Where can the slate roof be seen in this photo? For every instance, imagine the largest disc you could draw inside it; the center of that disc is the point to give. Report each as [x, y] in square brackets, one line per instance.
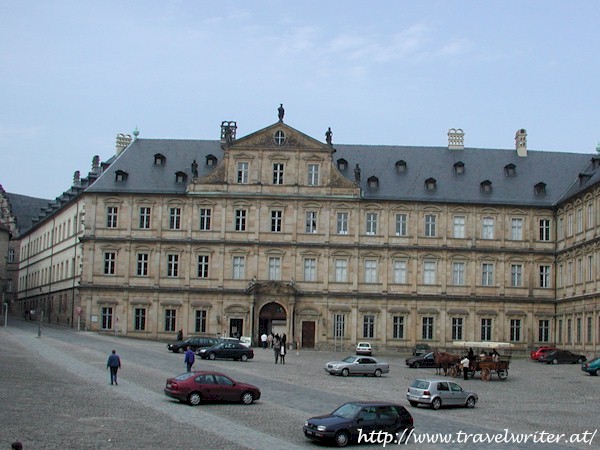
[558, 170]
[25, 209]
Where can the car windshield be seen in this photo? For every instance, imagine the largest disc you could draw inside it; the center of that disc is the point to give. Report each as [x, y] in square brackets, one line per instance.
[349, 359]
[184, 376]
[346, 411]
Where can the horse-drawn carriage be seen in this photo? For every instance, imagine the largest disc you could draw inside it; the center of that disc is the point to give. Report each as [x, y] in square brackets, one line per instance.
[486, 363]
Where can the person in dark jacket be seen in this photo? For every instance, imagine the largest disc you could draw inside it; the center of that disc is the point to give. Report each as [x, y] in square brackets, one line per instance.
[114, 364]
[189, 358]
[180, 335]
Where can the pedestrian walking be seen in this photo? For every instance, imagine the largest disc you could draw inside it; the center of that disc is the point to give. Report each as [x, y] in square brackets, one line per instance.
[114, 364]
[189, 358]
[180, 335]
[276, 349]
[282, 353]
[263, 339]
[270, 340]
[465, 365]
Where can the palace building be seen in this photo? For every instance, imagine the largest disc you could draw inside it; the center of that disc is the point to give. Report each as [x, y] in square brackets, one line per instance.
[330, 244]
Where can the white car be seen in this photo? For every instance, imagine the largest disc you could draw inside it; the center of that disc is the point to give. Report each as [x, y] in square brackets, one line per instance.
[364, 348]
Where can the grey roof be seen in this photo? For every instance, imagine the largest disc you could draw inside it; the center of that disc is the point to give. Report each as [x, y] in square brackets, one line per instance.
[559, 171]
[25, 209]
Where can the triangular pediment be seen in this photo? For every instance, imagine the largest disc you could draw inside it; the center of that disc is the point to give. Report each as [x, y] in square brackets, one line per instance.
[282, 137]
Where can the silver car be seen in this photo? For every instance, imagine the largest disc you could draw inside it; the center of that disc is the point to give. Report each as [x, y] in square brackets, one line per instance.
[438, 393]
[357, 365]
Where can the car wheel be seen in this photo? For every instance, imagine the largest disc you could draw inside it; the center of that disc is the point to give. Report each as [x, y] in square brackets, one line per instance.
[180, 350]
[470, 402]
[436, 403]
[401, 435]
[503, 374]
[377, 373]
[244, 358]
[345, 372]
[342, 438]
[555, 361]
[195, 398]
[211, 356]
[597, 372]
[247, 398]
[413, 403]
[416, 365]
[580, 361]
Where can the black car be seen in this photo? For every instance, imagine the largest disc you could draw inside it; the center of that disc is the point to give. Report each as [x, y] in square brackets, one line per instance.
[226, 350]
[194, 342]
[426, 360]
[353, 419]
[562, 356]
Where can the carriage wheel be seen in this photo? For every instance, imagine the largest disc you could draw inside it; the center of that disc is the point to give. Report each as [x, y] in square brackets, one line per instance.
[452, 371]
[503, 374]
[486, 374]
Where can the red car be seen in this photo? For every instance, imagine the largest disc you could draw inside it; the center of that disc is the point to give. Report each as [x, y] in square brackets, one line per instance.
[535, 354]
[197, 387]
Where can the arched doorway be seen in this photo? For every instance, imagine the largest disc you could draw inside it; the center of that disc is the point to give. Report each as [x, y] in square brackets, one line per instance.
[272, 319]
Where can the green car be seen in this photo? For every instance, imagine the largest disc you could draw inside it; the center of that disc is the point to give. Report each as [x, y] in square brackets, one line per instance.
[592, 367]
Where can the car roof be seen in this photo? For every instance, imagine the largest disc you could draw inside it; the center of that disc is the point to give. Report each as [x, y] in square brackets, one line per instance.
[434, 380]
[373, 403]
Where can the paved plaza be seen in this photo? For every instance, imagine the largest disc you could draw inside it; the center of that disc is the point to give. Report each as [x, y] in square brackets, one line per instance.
[55, 393]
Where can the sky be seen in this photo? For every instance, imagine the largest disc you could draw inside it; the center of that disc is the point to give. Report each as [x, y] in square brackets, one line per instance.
[74, 74]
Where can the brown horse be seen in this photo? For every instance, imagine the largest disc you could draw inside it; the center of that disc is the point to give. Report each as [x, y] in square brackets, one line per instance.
[444, 361]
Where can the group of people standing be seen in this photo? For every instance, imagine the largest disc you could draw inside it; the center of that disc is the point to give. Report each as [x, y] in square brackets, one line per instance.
[277, 343]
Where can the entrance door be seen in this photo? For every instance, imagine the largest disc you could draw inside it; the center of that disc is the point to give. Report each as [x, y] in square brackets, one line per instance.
[236, 327]
[308, 334]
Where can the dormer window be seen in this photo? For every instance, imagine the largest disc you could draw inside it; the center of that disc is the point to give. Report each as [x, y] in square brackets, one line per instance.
[180, 177]
[459, 168]
[279, 138]
[211, 160]
[342, 164]
[486, 186]
[373, 183]
[401, 166]
[121, 176]
[510, 170]
[431, 184]
[159, 160]
[540, 188]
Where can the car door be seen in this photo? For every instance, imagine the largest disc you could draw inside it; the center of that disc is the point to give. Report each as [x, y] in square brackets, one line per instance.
[366, 420]
[458, 395]
[206, 385]
[444, 393]
[226, 389]
[389, 419]
[429, 360]
[368, 365]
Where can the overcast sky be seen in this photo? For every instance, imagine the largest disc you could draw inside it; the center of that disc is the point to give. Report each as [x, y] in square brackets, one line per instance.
[74, 74]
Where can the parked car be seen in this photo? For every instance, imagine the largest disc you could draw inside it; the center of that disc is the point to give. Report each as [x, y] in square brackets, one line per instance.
[592, 367]
[226, 350]
[438, 393]
[420, 349]
[201, 386]
[426, 360]
[364, 348]
[357, 365]
[561, 356]
[342, 425]
[195, 342]
[535, 354]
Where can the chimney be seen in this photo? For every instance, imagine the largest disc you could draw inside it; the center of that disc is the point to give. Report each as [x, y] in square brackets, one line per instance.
[77, 178]
[123, 140]
[521, 142]
[456, 139]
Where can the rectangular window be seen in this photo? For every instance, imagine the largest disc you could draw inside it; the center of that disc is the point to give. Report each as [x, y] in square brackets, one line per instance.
[400, 276]
[458, 273]
[145, 213]
[240, 220]
[427, 330]
[515, 330]
[205, 214]
[239, 263]
[487, 274]
[310, 269]
[486, 329]
[170, 319]
[110, 259]
[370, 271]
[142, 264]
[274, 268]
[569, 273]
[200, 322]
[172, 265]
[369, 327]
[276, 217]
[278, 173]
[589, 330]
[590, 216]
[341, 270]
[559, 277]
[106, 317]
[560, 229]
[487, 228]
[430, 225]
[339, 325]
[516, 275]
[569, 225]
[202, 266]
[242, 173]
[371, 223]
[342, 223]
[401, 224]
[313, 174]
[398, 327]
[516, 229]
[569, 331]
[429, 272]
[579, 270]
[578, 331]
[11, 255]
[590, 271]
[111, 216]
[311, 221]
[175, 218]
[457, 328]
[544, 230]
[560, 331]
[459, 227]
[580, 220]
[139, 319]
[544, 330]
